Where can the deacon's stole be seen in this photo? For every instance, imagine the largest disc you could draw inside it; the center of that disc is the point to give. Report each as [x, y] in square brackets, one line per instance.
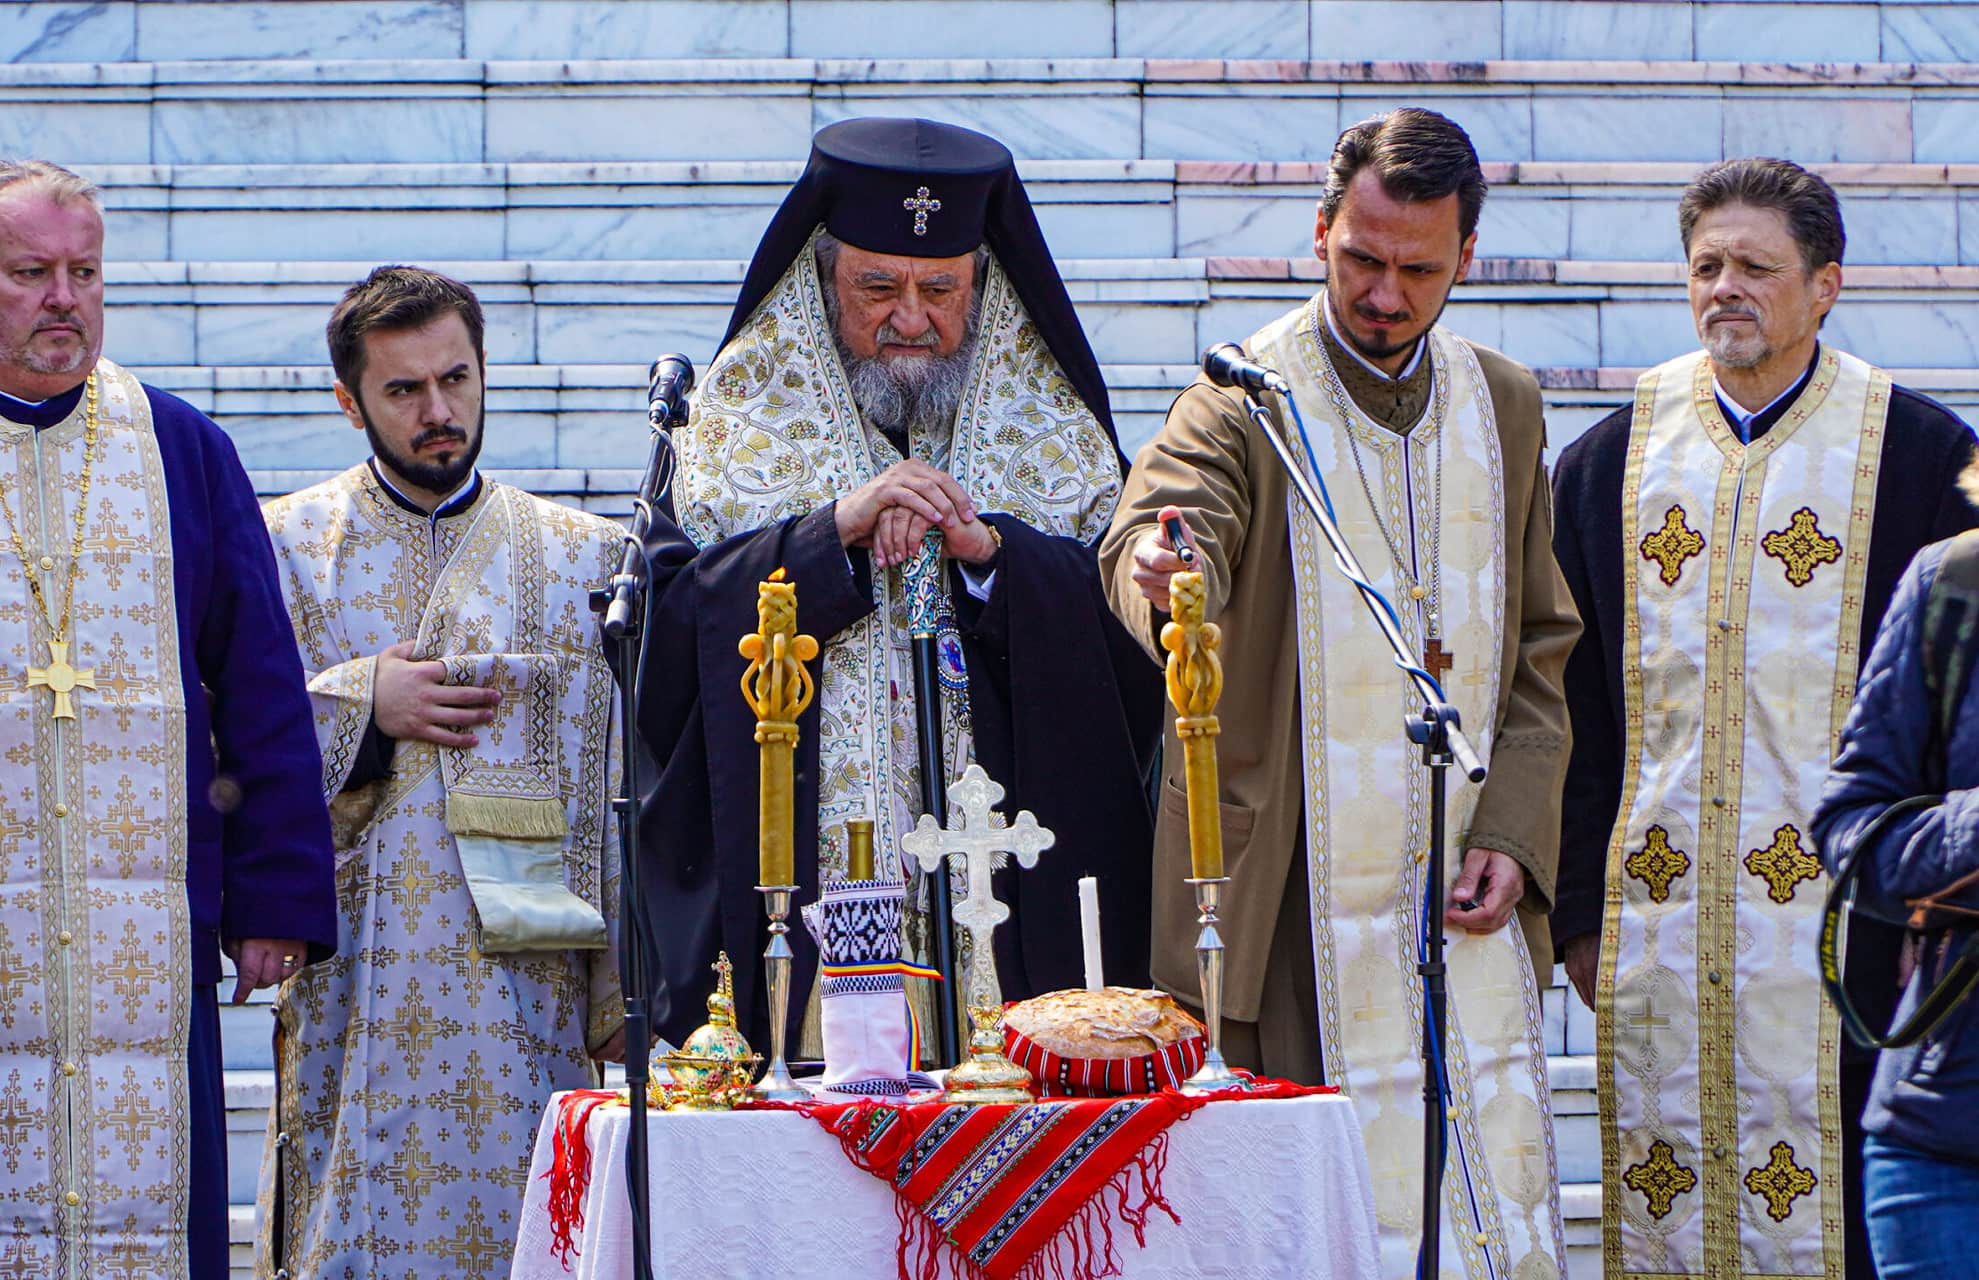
[775, 435]
[416, 1050]
[95, 927]
[1743, 572]
[1367, 813]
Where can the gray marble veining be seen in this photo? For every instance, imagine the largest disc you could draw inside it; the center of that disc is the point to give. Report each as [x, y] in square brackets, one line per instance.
[193, 29]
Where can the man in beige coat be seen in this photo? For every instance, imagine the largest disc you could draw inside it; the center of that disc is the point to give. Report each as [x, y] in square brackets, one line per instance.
[1431, 447]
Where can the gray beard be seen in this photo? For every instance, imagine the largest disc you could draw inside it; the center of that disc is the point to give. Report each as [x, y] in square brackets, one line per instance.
[913, 395]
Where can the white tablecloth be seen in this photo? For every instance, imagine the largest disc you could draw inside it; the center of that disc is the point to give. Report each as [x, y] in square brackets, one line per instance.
[1265, 1189]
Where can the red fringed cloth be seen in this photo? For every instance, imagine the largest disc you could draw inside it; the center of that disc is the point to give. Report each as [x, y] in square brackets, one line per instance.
[1020, 1192]
[570, 1166]
[994, 1192]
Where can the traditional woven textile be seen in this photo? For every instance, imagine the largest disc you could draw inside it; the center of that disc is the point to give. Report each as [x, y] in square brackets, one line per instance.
[870, 1037]
[1019, 1192]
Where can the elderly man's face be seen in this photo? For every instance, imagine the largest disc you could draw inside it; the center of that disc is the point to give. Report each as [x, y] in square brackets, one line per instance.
[1751, 295]
[900, 308]
[51, 293]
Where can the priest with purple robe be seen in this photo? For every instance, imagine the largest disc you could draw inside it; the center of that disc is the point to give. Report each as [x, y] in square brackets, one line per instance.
[161, 800]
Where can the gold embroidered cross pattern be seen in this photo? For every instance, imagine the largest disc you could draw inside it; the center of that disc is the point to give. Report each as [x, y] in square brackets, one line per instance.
[1801, 546]
[921, 206]
[1656, 864]
[1660, 1179]
[1673, 544]
[1780, 1182]
[1783, 864]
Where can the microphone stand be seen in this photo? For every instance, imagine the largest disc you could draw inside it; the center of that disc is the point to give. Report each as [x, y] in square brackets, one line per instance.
[1438, 731]
[623, 602]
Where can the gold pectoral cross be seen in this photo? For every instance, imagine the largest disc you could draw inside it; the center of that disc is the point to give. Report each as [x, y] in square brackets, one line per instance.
[61, 679]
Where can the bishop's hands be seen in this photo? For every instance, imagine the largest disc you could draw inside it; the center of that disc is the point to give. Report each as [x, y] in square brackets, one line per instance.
[891, 513]
[1492, 884]
[412, 700]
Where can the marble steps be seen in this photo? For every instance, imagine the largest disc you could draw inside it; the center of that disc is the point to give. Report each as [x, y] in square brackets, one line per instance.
[1796, 30]
[304, 110]
[578, 432]
[1135, 310]
[1592, 210]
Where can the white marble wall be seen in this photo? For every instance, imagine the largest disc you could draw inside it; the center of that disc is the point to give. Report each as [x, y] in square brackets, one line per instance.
[1421, 30]
[438, 111]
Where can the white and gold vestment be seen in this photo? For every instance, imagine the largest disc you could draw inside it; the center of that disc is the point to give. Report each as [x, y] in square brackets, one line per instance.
[1745, 564]
[414, 1069]
[1441, 490]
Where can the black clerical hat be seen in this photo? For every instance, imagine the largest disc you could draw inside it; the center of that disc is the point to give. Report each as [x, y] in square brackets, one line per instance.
[924, 189]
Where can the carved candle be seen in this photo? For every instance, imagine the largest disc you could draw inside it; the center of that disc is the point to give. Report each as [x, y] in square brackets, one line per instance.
[777, 687]
[1195, 682]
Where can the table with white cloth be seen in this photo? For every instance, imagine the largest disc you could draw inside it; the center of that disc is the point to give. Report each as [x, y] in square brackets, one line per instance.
[1265, 1188]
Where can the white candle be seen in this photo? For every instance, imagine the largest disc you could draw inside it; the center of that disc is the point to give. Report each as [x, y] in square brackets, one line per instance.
[1089, 931]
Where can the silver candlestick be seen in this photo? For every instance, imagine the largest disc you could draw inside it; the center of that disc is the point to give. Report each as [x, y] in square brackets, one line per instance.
[1215, 1074]
[776, 1084]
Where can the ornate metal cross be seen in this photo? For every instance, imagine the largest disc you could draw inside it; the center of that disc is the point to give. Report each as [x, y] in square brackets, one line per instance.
[921, 206]
[979, 838]
[61, 679]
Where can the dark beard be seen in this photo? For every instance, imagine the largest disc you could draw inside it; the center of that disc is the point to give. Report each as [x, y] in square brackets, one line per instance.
[433, 477]
[1342, 312]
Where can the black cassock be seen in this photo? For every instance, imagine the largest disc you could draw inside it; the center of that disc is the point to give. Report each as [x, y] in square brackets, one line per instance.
[1066, 713]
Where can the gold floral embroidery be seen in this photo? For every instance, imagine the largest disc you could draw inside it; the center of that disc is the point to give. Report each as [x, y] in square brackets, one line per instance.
[1780, 1182]
[1673, 544]
[1656, 864]
[1660, 1179]
[1783, 864]
[1801, 546]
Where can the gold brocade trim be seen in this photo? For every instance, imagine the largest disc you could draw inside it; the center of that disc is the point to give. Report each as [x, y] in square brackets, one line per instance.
[1673, 544]
[1611, 888]
[98, 871]
[1721, 782]
[1704, 398]
[1783, 864]
[1660, 1179]
[1801, 547]
[1657, 865]
[1364, 908]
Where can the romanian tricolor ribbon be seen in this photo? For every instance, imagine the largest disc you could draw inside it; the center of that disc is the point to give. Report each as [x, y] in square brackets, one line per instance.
[883, 968]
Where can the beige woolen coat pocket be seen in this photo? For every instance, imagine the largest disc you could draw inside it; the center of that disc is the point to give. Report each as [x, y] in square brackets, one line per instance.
[1248, 897]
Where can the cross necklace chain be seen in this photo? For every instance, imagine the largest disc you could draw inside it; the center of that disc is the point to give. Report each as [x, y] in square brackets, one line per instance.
[1435, 660]
[60, 677]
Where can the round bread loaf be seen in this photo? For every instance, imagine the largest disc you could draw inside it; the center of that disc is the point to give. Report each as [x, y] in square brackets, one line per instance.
[1118, 1040]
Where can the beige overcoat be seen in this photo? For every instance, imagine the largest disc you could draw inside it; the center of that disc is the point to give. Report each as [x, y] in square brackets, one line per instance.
[1209, 460]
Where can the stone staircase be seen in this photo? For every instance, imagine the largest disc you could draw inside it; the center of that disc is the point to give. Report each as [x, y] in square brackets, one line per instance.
[600, 170]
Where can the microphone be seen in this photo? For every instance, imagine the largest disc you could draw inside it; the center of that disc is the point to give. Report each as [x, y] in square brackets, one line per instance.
[1227, 366]
[668, 381]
